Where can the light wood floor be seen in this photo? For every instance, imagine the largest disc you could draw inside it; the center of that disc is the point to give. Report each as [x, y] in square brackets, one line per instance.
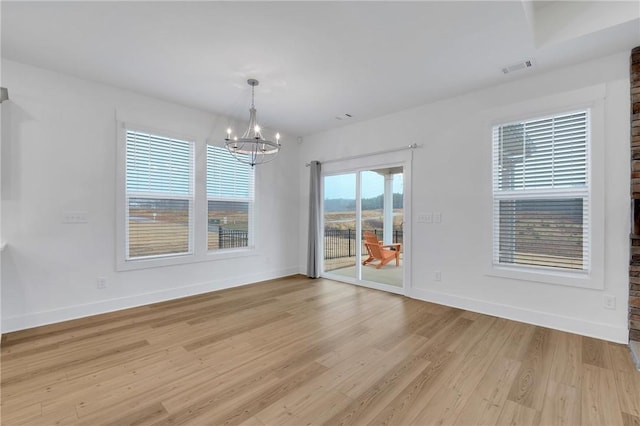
[299, 351]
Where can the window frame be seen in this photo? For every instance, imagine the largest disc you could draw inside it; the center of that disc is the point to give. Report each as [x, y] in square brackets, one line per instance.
[198, 238]
[548, 193]
[190, 198]
[251, 200]
[591, 99]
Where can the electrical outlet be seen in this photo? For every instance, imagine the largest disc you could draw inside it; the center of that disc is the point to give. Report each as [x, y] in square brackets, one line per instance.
[609, 301]
[437, 276]
[101, 283]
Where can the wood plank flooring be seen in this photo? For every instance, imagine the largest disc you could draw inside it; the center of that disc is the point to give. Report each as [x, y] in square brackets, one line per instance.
[298, 351]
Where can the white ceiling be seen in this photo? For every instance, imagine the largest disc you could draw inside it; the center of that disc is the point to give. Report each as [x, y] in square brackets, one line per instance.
[315, 60]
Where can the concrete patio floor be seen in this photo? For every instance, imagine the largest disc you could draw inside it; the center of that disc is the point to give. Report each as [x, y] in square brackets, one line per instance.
[389, 274]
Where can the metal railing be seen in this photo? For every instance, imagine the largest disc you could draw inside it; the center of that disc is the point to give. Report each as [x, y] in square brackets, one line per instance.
[342, 242]
[232, 238]
[337, 242]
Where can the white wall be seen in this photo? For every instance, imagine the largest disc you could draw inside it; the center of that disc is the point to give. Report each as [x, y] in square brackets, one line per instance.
[59, 154]
[452, 175]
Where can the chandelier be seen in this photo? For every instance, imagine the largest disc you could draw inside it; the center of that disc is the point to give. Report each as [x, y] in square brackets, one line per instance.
[252, 148]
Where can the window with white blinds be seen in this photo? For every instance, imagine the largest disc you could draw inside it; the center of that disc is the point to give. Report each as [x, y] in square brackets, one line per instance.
[159, 196]
[541, 193]
[230, 199]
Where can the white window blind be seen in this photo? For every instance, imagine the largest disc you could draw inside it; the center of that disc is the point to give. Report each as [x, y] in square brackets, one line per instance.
[541, 192]
[230, 199]
[159, 195]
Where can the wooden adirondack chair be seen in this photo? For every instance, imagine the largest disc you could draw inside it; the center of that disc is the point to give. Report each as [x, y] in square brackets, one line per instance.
[377, 252]
[371, 238]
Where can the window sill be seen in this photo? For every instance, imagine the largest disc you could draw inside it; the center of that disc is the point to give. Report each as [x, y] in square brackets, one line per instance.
[231, 253]
[211, 256]
[571, 279]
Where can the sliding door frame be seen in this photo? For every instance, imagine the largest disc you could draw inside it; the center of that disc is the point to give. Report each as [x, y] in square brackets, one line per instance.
[401, 158]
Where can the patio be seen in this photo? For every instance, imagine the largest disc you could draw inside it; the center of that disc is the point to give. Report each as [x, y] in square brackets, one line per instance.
[388, 274]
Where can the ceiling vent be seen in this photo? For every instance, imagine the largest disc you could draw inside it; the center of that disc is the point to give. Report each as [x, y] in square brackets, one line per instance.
[517, 67]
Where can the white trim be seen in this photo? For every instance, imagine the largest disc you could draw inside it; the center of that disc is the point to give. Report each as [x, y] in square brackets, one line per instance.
[123, 262]
[379, 160]
[543, 319]
[172, 260]
[542, 275]
[81, 311]
[121, 196]
[538, 193]
[358, 225]
[592, 99]
[200, 207]
[539, 107]
[198, 244]
[251, 200]
[360, 156]
[363, 283]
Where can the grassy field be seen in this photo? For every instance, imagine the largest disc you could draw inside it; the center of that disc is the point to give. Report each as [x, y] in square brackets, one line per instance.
[538, 259]
[154, 232]
[371, 219]
[157, 238]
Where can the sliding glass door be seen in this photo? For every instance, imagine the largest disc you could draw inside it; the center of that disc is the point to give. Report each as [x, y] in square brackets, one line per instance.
[363, 226]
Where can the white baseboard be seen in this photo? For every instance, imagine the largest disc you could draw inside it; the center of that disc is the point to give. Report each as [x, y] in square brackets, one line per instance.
[80, 311]
[544, 319]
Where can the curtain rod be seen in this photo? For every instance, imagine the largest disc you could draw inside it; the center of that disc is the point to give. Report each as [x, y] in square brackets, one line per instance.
[353, 157]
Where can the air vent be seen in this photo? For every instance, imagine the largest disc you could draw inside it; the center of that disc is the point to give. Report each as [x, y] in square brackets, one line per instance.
[344, 117]
[517, 67]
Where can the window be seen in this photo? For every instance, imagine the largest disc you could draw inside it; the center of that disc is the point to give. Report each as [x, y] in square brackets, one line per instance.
[159, 196]
[180, 200]
[229, 200]
[541, 193]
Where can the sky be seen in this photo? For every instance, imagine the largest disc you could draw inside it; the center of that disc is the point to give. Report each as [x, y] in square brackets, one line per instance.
[344, 186]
